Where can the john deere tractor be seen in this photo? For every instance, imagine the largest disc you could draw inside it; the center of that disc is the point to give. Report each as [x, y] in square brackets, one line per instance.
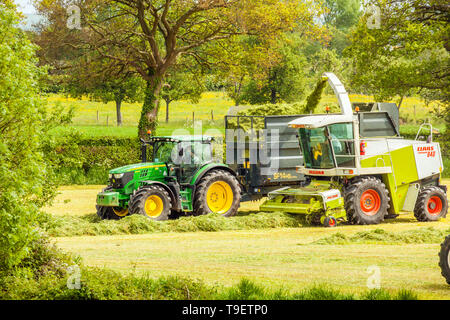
[181, 179]
[360, 170]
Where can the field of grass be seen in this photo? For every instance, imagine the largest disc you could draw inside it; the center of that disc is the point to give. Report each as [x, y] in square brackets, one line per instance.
[295, 258]
[181, 114]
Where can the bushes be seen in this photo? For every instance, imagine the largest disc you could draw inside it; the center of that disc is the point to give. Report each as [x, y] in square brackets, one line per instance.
[81, 160]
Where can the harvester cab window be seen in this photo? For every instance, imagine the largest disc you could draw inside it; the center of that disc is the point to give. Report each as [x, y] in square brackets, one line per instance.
[343, 143]
[316, 148]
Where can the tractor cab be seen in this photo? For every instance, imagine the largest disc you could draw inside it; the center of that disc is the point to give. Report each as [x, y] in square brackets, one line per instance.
[184, 155]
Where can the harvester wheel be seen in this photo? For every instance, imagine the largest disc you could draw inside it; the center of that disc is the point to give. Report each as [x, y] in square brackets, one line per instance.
[110, 213]
[431, 205]
[152, 202]
[444, 261]
[330, 222]
[218, 192]
[366, 201]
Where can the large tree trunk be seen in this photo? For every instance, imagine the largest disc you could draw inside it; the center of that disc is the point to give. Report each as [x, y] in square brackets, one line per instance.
[167, 109]
[119, 113]
[149, 115]
[273, 96]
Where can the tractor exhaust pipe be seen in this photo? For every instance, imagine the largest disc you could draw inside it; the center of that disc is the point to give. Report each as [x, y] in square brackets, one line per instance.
[340, 92]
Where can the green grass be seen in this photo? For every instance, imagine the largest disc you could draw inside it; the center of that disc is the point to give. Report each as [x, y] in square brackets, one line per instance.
[421, 235]
[104, 284]
[260, 248]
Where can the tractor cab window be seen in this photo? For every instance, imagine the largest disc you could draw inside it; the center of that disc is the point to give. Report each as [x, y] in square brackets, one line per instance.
[343, 143]
[163, 152]
[196, 153]
[316, 148]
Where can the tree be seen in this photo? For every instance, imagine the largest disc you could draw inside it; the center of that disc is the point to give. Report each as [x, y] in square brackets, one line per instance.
[149, 36]
[408, 54]
[102, 87]
[182, 85]
[283, 80]
[27, 179]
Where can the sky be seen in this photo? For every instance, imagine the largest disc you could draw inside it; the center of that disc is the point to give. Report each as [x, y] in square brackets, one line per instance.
[25, 6]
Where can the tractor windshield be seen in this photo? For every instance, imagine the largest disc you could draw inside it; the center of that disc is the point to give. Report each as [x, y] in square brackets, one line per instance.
[163, 151]
[183, 153]
[322, 145]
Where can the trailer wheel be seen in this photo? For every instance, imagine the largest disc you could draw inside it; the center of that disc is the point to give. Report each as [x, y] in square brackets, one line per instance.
[218, 192]
[431, 205]
[444, 261]
[330, 222]
[366, 201]
[152, 202]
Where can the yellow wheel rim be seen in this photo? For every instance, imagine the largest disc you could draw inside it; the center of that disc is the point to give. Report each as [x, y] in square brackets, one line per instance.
[219, 197]
[154, 206]
[120, 212]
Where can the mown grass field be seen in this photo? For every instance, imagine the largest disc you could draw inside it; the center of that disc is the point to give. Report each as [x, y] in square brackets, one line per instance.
[285, 257]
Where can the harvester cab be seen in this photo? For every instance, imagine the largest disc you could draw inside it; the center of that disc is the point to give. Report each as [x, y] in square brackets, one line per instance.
[361, 170]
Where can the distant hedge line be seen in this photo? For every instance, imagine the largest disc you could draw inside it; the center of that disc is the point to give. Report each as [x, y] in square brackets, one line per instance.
[80, 160]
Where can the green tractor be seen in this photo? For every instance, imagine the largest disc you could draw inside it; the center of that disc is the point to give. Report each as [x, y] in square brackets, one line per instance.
[182, 179]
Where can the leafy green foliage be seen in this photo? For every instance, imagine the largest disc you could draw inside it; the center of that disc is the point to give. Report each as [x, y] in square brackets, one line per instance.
[28, 181]
[406, 55]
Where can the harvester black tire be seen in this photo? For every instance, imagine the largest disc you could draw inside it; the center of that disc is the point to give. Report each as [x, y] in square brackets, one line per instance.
[107, 213]
[141, 197]
[360, 195]
[444, 259]
[431, 205]
[201, 206]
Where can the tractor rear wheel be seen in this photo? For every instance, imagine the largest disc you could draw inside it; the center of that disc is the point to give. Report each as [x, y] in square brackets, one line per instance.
[218, 192]
[110, 213]
[431, 205]
[366, 201]
[444, 261]
[152, 202]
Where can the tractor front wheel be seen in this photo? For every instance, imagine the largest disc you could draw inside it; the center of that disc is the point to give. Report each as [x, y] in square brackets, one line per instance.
[218, 192]
[110, 213]
[152, 202]
[366, 201]
[444, 261]
[431, 205]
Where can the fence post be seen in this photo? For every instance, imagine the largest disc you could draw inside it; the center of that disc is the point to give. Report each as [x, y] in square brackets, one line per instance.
[107, 120]
[98, 118]
[212, 115]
